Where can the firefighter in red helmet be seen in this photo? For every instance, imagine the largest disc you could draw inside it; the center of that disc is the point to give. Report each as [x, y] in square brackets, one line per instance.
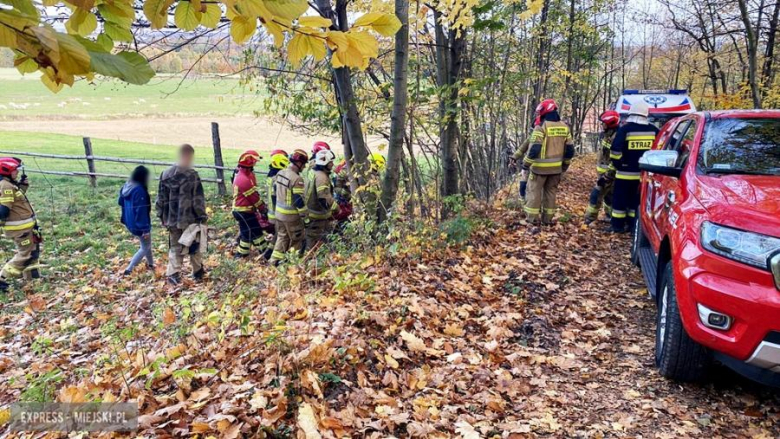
[249, 210]
[18, 221]
[548, 157]
[602, 192]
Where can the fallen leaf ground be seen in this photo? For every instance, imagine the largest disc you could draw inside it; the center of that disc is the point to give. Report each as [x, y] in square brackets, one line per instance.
[513, 334]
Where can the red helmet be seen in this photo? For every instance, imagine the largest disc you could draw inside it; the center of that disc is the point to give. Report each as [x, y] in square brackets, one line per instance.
[249, 158]
[279, 151]
[546, 106]
[537, 121]
[319, 146]
[299, 156]
[610, 118]
[8, 165]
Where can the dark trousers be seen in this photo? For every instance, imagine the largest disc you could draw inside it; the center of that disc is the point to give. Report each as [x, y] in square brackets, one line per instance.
[625, 200]
[250, 233]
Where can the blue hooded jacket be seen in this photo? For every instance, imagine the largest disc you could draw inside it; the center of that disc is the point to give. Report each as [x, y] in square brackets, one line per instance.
[136, 206]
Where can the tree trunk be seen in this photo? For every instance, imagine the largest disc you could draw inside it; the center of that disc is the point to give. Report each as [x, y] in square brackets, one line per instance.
[398, 116]
[766, 72]
[345, 95]
[752, 48]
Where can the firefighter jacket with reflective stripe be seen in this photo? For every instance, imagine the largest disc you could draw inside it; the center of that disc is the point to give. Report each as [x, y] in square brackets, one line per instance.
[631, 141]
[269, 193]
[246, 197]
[288, 189]
[551, 149]
[605, 145]
[20, 212]
[319, 195]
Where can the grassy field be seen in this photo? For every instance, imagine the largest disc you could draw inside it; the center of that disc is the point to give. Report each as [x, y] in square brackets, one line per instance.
[73, 145]
[25, 97]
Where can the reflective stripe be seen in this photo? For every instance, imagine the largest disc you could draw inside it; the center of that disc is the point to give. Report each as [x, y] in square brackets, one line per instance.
[271, 216]
[286, 211]
[4, 200]
[550, 209]
[623, 175]
[243, 208]
[592, 209]
[547, 163]
[324, 187]
[532, 210]
[618, 214]
[297, 190]
[601, 169]
[19, 225]
[632, 213]
[250, 191]
[615, 156]
[277, 255]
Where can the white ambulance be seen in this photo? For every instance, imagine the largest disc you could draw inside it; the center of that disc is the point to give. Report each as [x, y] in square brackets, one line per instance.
[664, 104]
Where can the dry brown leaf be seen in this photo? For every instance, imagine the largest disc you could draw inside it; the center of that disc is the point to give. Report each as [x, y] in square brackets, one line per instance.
[307, 422]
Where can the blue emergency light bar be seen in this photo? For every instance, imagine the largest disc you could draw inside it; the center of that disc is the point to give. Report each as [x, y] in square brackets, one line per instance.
[655, 92]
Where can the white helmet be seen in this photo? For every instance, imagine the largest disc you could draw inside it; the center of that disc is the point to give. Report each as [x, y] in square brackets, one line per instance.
[323, 157]
[639, 108]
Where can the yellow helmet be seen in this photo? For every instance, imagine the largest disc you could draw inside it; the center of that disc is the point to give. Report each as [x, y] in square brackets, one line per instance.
[280, 161]
[377, 162]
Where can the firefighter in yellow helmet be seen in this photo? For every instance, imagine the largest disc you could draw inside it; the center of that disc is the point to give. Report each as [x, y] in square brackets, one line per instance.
[17, 219]
[290, 207]
[319, 198]
[548, 158]
[279, 161]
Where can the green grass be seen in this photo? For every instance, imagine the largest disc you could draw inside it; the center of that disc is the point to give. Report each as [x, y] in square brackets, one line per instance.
[73, 145]
[106, 99]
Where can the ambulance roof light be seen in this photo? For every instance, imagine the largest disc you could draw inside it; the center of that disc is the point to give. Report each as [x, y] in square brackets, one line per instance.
[648, 92]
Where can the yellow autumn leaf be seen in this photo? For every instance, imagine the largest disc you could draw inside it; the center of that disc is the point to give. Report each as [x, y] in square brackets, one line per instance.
[367, 19]
[49, 80]
[287, 9]
[384, 24]
[315, 21]
[187, 15]
[242, 28]
[364, 42]
[211, 16]
[156, 12]
[337, 40]
[7, 37]
[276, 30]
[81, 22]
[74, 58]
[303, 45]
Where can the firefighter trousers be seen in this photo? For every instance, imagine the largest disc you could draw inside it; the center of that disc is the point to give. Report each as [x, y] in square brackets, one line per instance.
[601, 195]
[250, 233]
[540, 201]
[625, 201]
[25, 259]
[289, 236]
[177, 251]
[316, 231]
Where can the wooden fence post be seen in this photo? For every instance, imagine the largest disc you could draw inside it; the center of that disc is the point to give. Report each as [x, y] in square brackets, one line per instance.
[218, 158]
[90, 161]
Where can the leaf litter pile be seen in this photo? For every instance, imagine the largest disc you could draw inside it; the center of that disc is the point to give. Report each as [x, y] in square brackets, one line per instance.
[514, 334]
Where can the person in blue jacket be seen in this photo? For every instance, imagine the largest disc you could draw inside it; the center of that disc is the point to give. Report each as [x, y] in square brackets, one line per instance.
[136, 207]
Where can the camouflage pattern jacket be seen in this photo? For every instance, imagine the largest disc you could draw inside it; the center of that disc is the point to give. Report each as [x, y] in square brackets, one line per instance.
[180, 198]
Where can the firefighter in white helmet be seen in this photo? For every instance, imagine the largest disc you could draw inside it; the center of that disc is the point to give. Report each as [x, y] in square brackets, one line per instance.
[319, 198]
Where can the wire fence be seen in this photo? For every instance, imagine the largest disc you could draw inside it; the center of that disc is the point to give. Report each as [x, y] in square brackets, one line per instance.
[91, 159]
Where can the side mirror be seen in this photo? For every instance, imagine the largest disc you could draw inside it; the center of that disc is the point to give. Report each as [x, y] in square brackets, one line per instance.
[661, 162]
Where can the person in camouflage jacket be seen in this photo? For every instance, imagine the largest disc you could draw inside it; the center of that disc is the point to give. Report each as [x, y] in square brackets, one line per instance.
[180, 203]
